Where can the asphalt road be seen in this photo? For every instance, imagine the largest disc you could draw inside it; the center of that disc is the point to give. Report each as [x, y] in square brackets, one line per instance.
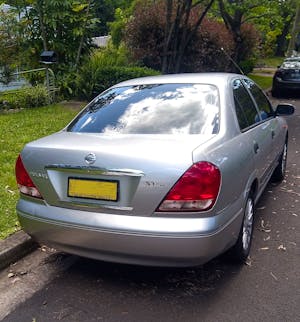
[57, 287]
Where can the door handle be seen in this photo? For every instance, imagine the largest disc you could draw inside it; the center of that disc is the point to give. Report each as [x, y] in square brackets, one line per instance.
[272, 134]
[255, 147]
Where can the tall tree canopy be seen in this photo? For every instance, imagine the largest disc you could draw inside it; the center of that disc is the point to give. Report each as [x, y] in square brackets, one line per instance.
[175, 36]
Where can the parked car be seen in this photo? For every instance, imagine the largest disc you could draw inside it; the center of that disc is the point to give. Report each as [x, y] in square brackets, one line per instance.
[287, 77]
[162, 170]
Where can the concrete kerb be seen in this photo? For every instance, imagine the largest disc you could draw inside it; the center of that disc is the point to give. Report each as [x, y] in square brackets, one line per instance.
[15, 247]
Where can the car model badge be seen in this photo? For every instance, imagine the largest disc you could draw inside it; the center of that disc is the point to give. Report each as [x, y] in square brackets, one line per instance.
[90, 158]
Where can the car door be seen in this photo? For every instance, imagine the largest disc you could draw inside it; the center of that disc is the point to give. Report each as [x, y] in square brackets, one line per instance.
[270, 122]
[254, 129]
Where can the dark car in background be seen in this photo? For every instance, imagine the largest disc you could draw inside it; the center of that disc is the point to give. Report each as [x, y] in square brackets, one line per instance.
[286, 79]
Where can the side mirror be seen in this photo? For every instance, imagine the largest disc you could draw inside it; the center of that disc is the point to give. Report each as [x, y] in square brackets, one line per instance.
[285, 109]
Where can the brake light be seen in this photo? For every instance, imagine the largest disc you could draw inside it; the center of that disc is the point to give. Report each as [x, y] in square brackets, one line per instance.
[196, 190]
[25, 184]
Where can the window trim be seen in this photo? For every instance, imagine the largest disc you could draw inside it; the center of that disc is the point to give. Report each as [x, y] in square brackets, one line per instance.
[254, 101]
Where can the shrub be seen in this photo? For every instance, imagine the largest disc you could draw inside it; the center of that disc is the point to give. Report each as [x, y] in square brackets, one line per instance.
[247, 65]
[24, 98]
[91, 82]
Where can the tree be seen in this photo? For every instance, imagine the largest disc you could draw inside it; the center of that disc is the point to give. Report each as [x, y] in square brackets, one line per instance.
[236, 14]
[177, 46]
[179, 32]
[9, 45]
[295, 41]
[105, 12]
[178, 21]
[64, 26]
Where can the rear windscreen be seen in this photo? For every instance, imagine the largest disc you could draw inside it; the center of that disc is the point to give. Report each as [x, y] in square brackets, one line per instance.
[152, 109]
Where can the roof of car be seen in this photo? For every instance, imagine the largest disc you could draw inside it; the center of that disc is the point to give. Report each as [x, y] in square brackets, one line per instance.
[206, 78]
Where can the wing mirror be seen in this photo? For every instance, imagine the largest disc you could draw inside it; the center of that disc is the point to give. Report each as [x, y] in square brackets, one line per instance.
[285, 109]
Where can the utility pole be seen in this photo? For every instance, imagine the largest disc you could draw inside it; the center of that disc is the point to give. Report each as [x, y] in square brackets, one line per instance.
[294, 44]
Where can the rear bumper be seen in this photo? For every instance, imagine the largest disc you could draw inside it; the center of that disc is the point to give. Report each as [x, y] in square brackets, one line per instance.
[128, 239]
[280, 84]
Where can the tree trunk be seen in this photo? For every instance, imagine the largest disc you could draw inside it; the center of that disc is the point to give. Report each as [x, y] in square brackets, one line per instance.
[294, 42]
[39, 8]
[281, 42]
[167, 36]
[83, 35]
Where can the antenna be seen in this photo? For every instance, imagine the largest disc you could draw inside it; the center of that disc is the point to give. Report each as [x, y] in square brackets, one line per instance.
[234, 63]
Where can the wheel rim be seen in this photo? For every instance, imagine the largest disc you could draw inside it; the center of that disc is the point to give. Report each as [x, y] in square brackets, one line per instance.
[248, 225]
[284, 157]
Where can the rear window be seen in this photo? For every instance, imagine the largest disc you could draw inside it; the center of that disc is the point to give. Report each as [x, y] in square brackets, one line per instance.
[152, 109]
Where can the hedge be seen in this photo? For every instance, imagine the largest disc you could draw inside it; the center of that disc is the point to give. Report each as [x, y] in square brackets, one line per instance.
[24, 98]
[91, 83]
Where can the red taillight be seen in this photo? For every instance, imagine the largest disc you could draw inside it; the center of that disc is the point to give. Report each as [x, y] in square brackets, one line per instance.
[196, 190]
[25, 184]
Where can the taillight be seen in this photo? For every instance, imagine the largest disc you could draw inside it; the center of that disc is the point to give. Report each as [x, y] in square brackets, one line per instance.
[25, 184]
[196, 190]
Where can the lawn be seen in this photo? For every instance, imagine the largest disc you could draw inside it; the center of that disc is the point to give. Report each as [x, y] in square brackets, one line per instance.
[16, 129]
[265, 82]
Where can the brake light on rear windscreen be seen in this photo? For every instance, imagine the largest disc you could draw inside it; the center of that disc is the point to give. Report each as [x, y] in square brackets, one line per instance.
[25, 184]
[196, 190]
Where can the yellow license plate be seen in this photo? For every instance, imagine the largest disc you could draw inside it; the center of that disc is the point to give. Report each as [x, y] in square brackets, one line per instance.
[93, 189]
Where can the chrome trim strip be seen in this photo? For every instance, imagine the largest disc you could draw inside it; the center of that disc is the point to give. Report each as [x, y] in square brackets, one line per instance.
[95, 170]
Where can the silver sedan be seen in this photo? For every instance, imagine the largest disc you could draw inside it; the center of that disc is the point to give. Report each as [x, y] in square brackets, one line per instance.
[162, 170]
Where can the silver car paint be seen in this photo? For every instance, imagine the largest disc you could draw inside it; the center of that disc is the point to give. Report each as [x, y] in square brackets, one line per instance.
[132, 231]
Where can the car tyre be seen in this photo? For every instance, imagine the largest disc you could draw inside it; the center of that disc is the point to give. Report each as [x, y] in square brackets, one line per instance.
[275, 93]
[240, 251]
[279, 172]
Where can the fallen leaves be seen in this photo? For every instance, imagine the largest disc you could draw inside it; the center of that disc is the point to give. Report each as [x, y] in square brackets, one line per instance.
[263, 227]
[281, 247]
[9, 190]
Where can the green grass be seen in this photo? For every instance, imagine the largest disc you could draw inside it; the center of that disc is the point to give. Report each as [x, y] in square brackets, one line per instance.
[16, 129]
[265, 82]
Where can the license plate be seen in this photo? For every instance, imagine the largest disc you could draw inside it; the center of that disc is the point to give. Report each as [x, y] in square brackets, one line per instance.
[93, 189]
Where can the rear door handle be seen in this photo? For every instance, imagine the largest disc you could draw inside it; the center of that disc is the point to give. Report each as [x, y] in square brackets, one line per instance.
[255, 147]
[273, 134]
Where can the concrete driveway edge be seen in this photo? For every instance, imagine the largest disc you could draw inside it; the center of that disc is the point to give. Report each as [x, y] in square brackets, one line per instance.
[15, 247]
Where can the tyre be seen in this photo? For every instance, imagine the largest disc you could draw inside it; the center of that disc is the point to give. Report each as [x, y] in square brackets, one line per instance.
[240, 251]
[279, 172]
[275, 93]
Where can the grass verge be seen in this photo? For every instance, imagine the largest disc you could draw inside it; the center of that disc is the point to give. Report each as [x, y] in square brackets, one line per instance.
[265, 82]
[17, 129]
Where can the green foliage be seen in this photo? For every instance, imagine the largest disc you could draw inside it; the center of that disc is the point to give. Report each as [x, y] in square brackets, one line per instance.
[9, 46]
[118, 26]
[16, 129]
[24, 98]
[247, 65]
[64, 26]
[75, 84]
[105, 10]
[106, 76]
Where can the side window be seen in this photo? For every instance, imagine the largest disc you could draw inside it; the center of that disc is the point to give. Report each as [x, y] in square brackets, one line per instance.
[246, 111]
[263, 104]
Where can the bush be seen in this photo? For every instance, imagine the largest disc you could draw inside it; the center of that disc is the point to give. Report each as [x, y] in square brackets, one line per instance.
[247, 65]
[24, 98]
[92, 82]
